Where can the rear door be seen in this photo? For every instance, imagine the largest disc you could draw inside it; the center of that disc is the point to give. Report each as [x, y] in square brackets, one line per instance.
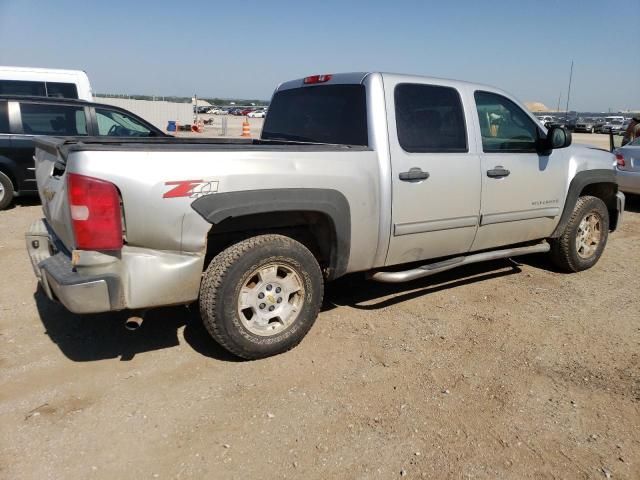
[522, 190]
[435, 170]
[41, 118]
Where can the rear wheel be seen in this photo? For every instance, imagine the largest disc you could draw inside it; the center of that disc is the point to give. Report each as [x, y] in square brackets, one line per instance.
[584, 237]
[6, 191]
[261, 296]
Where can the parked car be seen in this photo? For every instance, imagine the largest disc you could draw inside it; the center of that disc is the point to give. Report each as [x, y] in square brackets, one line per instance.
[586, 125]
[620, 128]
[612, 122]
[628, 167]
[546, 119]
[257, 114]
[337, 183]
[598, 124]
[32, 117]
[246, 111]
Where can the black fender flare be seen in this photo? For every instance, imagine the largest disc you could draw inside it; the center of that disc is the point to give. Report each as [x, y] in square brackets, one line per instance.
[217, 207]
[578, 183]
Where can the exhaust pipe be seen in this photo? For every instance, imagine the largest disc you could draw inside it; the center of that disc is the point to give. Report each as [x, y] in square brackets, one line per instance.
[134, 322]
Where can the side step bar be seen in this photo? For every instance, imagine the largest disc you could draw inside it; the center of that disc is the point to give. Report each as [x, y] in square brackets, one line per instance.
[433, 268]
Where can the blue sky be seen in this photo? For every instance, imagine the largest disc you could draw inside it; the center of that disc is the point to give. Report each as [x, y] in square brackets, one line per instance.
[245, 48]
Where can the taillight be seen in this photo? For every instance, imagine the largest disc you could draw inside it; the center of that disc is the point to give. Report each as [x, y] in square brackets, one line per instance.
[620, 160]
[95, 213]
[317, 79]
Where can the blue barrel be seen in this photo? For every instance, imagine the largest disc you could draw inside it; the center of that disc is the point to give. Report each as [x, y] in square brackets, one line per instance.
[171, 126]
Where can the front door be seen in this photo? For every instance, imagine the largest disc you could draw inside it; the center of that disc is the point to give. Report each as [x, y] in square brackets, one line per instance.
[435, 171]
[522, 189]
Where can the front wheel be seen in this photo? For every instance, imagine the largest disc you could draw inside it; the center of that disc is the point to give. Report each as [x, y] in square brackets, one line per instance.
[261, 296]
[582, 242]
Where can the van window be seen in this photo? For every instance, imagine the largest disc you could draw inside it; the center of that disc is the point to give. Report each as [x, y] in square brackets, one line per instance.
[4, 118]
[22, 87]
[429, 118]
[63, 120]
[62, 90]
[118, 124]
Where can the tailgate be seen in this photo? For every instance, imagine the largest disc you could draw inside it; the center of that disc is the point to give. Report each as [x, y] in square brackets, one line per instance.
[52, 188]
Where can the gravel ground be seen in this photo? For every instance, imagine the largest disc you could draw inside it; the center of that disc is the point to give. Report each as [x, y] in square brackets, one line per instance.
[501, 370]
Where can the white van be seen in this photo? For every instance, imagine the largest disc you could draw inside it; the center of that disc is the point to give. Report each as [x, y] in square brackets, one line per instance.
[45, 82]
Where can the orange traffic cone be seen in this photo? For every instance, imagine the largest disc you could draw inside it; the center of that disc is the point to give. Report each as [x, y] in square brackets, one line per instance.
[246, 128]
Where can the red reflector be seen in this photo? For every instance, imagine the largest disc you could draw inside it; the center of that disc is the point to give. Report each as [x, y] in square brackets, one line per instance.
[95, 213]
[620, 160]
[317, 79]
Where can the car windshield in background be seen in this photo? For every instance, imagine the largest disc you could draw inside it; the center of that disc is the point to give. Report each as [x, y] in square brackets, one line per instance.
[116, 124]
[334, 114]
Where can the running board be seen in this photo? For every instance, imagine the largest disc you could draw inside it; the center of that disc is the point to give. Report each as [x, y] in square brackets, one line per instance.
[433, 268]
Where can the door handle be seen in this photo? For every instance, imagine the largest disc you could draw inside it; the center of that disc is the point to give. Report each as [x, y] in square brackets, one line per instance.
[498, 172]
[414, 174]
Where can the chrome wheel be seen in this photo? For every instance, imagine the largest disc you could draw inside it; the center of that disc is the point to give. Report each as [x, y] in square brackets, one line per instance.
[270, 299]
[588, 235]
[1, 192]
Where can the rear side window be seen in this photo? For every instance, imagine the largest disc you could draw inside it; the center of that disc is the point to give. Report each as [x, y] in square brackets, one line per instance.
[321, 114]
[21, 87]
[63, 120]
[4, 118]
[429, 118]
[116, 124]
[62, 90]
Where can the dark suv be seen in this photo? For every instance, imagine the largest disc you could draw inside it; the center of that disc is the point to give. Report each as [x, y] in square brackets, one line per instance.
[23, 118]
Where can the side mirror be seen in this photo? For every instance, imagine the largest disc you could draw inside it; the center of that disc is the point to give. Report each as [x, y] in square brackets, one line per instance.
[558, 137]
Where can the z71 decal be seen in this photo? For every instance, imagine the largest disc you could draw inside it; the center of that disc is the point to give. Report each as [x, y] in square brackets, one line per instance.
[190, 188]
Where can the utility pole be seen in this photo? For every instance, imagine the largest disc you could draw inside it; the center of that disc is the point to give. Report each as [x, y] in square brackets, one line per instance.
[566, 114]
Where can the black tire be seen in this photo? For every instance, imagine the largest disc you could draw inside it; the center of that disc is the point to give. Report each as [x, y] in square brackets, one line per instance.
[229, 271]
[564, 250]
[6, 192]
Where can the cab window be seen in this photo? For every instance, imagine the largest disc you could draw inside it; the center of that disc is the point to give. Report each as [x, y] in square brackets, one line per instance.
[62, 120]
[117, 124]
[429, 118]
[504, 126]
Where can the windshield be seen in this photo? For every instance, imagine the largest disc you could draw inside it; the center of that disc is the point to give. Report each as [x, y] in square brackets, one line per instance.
[334, 114]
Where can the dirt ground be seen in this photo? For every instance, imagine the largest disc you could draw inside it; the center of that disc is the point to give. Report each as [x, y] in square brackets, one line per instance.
[504, 370]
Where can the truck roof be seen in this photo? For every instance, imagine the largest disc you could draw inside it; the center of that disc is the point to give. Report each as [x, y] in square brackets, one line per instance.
[359, 77]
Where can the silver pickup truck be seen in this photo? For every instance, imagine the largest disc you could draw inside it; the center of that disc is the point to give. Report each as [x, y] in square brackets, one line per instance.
[394, 175]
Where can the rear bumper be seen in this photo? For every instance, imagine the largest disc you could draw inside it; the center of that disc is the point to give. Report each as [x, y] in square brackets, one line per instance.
[61, 281]
[93, 282]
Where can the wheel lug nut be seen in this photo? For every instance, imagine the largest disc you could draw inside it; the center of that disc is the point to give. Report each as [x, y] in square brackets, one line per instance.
[269, 287]
[279, 299]
[261, 295]
[272, 308]
[262, 305]
[278, 289]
